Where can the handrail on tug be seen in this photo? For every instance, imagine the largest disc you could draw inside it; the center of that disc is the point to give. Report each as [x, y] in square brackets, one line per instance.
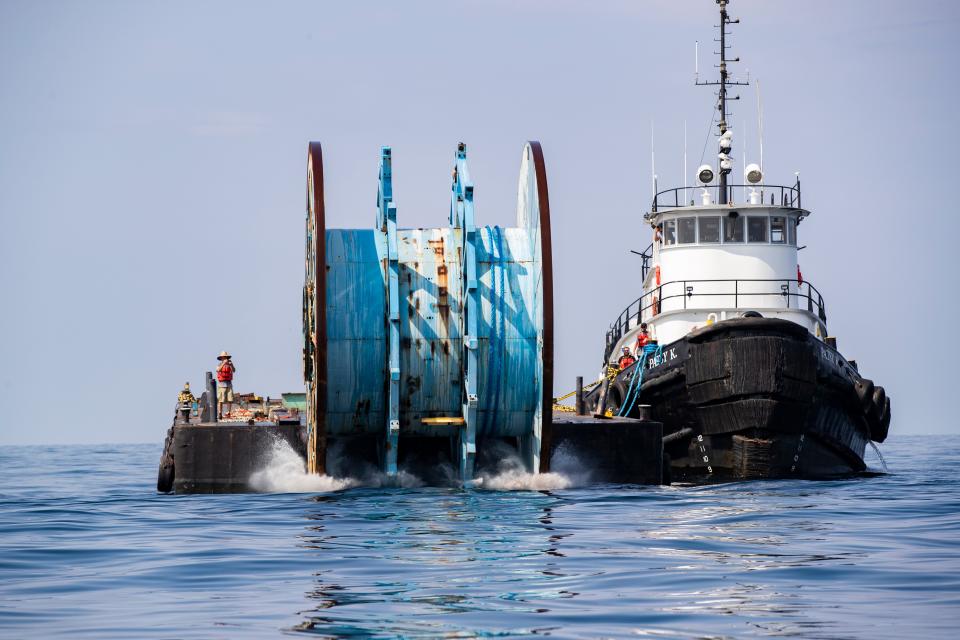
[634, 314]
[788, 196]
[646, 256]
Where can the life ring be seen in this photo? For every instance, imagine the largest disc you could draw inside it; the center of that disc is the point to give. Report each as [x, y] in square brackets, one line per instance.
[655, 307]
[656, 271]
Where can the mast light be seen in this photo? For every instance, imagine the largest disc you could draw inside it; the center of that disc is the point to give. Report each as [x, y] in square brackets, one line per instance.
[705, 174]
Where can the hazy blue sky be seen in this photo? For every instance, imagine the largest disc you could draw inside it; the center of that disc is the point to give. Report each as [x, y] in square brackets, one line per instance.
[152, 163]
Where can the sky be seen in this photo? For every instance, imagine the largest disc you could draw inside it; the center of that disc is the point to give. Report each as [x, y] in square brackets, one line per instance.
[153, 161]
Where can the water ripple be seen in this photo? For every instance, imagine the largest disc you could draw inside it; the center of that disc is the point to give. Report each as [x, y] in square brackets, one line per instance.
[91, 551]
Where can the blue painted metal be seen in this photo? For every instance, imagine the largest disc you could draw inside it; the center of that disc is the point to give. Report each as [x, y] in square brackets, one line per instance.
[436, 323]
[387, 220]
[461, 217]
[357, 342]
[430, 329]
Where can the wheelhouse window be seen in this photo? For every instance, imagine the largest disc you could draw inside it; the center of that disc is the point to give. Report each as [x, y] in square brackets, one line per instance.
[670, 232]
[686, 230]
[792, 231]
[757, 229]
[778, 230]
[733, 229]
[709, 230]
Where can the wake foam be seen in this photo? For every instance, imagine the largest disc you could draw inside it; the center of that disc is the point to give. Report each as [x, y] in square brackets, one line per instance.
[523, 480]
[508, 473]
[501, 470]
[286, 472]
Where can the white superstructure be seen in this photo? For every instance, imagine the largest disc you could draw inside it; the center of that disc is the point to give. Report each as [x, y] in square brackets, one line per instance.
[711, 262]
[726, 260]
[713, 259]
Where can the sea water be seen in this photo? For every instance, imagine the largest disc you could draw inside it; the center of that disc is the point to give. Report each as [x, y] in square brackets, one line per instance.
[88, 549]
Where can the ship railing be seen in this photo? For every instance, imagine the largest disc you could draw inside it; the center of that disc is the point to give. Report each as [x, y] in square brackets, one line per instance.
[769, 194]
[716, 294]
[646, 256]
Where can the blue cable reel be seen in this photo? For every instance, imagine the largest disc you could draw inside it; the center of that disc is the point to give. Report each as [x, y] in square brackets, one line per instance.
[425, 340]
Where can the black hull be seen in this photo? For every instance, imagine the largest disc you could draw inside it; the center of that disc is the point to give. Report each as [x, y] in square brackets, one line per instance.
[757, 398]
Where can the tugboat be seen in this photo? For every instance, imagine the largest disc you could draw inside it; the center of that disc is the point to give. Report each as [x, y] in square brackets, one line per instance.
[738, 364]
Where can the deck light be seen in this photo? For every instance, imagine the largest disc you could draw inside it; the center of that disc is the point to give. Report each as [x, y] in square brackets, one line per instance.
[752, 173]
[705, 174]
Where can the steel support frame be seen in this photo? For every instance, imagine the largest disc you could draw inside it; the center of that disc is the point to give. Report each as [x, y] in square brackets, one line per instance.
[387, 224]
[462, 217]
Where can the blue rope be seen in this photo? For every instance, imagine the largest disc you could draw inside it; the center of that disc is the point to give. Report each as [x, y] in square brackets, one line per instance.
[633, 391]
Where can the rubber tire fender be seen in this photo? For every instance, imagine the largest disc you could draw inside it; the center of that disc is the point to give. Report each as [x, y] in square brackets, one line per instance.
[885, 420]
[879, 431]
[165, 475]
[615, 397]
[879, 402]
[864, 389]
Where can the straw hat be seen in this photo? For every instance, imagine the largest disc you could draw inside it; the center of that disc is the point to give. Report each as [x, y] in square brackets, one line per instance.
[223, 356]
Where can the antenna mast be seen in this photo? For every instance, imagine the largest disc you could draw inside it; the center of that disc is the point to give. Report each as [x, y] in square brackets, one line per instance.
[724, 82]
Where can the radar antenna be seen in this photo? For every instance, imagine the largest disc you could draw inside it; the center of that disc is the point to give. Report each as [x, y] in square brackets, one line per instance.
[725, 138]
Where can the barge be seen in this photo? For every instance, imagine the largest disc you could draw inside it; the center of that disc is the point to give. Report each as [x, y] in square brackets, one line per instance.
[425, 351]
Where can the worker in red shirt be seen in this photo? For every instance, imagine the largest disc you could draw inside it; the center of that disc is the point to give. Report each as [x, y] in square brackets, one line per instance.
[626, 359]
[643, 339]
[225, 371]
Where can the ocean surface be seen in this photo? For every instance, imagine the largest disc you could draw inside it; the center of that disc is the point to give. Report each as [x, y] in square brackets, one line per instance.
[88, 549]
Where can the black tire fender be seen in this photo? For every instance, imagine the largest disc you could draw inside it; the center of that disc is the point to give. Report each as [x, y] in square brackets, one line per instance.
[864, 389]
[879, 402]
[615, 397]
[165, 475]
[883, 428]
[885, 418]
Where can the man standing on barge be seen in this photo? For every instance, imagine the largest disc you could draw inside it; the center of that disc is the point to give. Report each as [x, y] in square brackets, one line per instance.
[225, 371]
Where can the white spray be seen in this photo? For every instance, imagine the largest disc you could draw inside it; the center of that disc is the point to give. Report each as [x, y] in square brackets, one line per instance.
[510, 474]
[286, 472]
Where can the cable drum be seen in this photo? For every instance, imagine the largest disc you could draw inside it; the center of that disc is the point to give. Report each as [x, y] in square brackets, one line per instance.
[430, 333]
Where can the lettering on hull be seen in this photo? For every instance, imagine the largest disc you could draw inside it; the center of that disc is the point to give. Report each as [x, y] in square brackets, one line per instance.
[669, 354]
